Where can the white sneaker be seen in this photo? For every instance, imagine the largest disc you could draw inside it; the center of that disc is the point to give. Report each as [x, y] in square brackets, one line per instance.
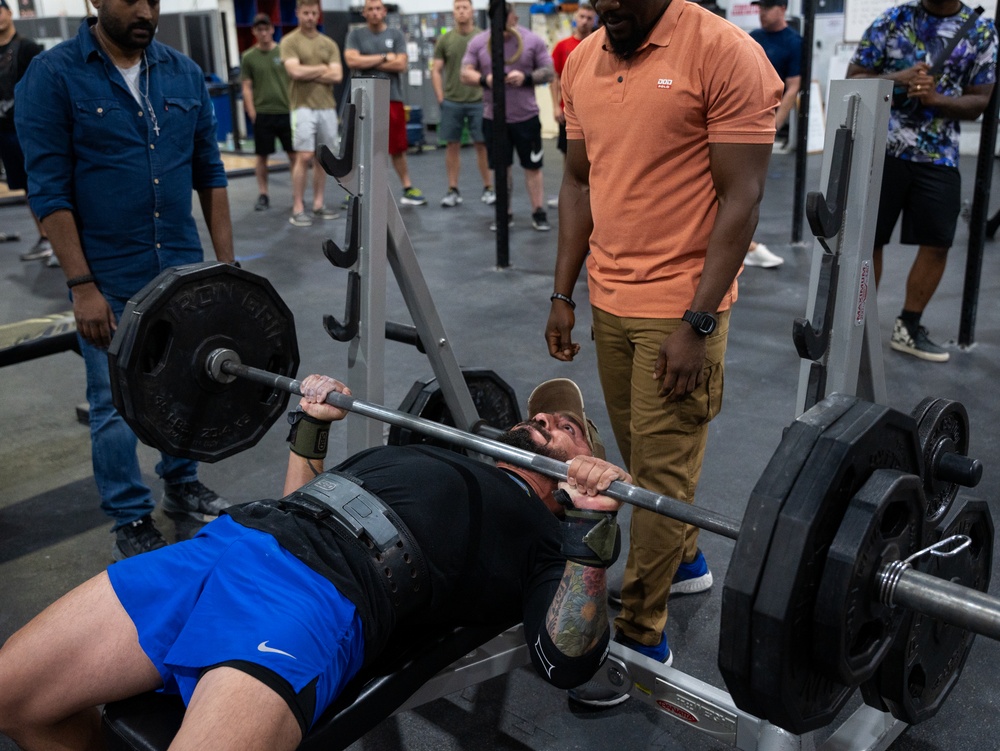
[451, 199]
[762, 257]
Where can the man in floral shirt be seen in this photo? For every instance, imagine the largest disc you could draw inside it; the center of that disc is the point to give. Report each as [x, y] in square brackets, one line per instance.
[921, 178]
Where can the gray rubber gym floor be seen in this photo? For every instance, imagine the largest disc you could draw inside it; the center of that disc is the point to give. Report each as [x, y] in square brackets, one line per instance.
[53, 535]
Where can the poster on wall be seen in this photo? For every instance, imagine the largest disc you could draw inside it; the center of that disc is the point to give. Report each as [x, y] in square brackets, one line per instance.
[744, 15]
[26, 8]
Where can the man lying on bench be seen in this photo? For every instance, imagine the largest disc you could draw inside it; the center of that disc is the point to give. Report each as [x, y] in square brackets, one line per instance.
[261, 619]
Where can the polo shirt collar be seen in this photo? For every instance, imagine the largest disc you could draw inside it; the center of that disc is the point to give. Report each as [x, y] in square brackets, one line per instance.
[663, 31]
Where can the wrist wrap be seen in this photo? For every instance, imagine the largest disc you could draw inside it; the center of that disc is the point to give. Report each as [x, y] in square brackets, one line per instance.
[308, 436]
[590, 538]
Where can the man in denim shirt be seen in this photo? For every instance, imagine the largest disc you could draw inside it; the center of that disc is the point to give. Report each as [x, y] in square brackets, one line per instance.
[117, 130]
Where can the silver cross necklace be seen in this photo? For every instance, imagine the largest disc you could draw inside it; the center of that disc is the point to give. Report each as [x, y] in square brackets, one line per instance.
[145, 96]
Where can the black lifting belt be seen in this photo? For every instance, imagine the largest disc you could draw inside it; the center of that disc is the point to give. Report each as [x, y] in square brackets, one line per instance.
[361, 518]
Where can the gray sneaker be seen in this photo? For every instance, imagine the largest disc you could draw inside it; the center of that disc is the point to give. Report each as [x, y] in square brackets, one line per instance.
[324, 213]
[192, 501]
[137, 537]
[489, 197]
[302, 219]
[41, 249]
[918, 344]
[597, 694]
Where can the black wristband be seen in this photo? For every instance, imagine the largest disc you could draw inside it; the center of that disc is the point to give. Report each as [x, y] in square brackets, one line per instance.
[78, 280]
[482, 82]
[590, 538]
[308, 436]
[529, 82]
[564, 298]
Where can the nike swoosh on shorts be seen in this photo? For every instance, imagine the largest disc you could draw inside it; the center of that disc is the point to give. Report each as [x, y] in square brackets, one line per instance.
[262, 647]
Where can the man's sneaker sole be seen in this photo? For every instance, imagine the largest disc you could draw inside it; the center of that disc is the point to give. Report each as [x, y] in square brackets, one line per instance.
[613, 701]
[692, 586]
[177, 515]
[929, 356]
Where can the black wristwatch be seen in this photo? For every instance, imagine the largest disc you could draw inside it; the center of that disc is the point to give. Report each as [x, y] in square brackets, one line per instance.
[703, 323]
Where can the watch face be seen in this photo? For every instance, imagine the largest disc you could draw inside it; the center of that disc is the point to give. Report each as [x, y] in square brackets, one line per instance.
[703, 323]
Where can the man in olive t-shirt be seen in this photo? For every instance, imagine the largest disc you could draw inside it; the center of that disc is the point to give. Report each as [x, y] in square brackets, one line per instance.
[265, 99]
[461, 105]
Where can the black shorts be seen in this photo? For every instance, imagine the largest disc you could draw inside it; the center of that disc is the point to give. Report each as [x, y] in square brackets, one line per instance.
[525, 137]
[562, 144]
[267, 129]
[13, 160]
[929, 197]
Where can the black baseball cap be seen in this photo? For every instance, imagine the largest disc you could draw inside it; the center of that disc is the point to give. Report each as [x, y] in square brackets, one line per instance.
[261, 19]
[770, 3]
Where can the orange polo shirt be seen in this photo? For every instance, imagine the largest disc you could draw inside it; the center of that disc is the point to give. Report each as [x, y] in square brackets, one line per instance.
[647, 123]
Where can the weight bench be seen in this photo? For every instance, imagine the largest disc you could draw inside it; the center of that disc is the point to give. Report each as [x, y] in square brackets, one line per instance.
[37, 337]
[150, 721]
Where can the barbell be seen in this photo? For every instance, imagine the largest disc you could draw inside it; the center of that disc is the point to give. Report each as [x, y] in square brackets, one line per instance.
[830, 549]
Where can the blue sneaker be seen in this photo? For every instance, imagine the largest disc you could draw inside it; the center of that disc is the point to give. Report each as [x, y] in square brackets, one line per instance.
[692, 578]
[661, 652]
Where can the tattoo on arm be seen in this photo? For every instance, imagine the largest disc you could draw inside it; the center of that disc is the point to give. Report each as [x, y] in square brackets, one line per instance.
[578, 614]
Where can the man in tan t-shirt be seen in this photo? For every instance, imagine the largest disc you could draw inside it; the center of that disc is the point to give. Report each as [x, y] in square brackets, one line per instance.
[312, 60]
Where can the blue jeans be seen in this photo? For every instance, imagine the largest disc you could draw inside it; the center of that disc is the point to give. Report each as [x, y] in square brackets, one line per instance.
[124, 496]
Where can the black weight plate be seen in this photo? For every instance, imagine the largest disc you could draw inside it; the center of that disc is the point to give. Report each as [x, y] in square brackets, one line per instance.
[853, 630]
[943, 427]
[494, 399]
[158, 354]
[750, 552]
[794, 693]
[926, 658]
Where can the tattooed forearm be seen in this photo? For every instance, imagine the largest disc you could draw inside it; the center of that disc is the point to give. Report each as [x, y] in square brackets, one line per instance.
[578, 614]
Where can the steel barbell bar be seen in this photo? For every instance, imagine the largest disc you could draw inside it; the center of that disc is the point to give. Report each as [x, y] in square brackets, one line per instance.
[904, 586]
[223, 363]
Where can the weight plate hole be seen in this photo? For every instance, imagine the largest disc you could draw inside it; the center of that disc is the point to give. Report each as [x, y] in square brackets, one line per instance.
[156, 346]
[894, 520]
[870, 633]
[916, 683]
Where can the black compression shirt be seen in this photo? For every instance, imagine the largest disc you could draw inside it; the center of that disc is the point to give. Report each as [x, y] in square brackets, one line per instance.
[492, 549]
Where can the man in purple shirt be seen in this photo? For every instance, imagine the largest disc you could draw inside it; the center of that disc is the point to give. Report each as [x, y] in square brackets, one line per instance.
[527, 64]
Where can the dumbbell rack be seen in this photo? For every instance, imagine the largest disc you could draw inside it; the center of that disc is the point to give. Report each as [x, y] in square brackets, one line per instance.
[841, 346]
[376, 236]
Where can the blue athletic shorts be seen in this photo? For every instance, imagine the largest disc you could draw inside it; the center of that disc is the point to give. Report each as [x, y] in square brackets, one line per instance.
[233, 596]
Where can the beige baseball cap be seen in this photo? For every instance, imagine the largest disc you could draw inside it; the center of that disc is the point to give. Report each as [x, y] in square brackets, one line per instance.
[562, 395]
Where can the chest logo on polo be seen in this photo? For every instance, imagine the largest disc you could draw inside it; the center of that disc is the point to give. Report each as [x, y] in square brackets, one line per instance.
[664, 83]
